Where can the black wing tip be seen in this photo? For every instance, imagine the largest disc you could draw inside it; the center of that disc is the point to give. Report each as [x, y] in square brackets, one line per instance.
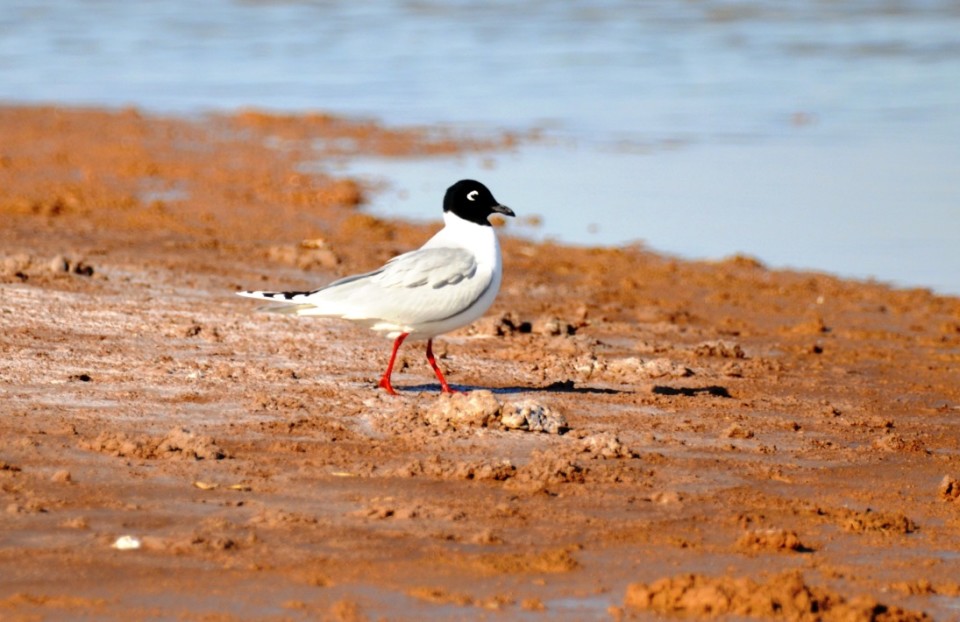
[273, 295]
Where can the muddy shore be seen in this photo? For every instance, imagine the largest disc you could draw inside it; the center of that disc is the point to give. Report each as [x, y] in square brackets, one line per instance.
[642, 435]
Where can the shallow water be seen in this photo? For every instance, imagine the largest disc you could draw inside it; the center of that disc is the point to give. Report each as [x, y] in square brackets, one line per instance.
[857, 209]
[809, 134]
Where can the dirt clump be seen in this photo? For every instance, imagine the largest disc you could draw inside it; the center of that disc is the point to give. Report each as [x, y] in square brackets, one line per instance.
[483, 409]
[772, 540]
[782, 597]
[178, 443]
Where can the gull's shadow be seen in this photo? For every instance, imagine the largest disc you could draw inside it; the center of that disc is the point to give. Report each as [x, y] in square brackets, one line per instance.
[568, 386]
[715, 391]
[565, 386]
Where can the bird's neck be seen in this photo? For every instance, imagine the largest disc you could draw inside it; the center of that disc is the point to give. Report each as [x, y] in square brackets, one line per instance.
[481, 240]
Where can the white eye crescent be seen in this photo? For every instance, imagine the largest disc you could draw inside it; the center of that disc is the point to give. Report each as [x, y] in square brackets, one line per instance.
[472, 195]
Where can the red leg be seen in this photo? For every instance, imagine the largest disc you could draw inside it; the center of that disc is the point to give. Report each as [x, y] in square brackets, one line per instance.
[433, 363]
[385, 381]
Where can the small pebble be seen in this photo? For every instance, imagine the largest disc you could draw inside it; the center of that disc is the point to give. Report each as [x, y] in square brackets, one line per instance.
[949, 489]
[78, 522]
[126, 543]
[83, 269]
[62, 476]
[59, 264]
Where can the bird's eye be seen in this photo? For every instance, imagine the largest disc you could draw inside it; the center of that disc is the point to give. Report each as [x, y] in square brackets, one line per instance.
[472, 195]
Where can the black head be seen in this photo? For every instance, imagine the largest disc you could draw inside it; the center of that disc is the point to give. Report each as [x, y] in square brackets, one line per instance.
[471, 201]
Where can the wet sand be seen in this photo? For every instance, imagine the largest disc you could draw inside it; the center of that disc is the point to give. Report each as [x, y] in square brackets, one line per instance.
[643, 435]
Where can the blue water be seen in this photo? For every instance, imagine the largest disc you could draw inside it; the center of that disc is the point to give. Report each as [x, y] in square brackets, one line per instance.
[811, 134]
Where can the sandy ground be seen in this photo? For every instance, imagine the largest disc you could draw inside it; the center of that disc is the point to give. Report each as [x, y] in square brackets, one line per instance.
[642, 436]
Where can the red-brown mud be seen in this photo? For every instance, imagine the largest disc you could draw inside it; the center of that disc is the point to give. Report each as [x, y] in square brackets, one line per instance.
[661, 437]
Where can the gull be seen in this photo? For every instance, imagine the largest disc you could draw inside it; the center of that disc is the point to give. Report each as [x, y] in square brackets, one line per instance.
[446, 284]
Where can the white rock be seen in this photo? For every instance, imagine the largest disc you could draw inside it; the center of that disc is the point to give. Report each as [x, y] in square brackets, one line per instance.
[533, 416]
[127, 543]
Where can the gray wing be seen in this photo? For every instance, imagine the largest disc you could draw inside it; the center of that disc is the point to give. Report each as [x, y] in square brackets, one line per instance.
[424, 285]
[432, 267]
